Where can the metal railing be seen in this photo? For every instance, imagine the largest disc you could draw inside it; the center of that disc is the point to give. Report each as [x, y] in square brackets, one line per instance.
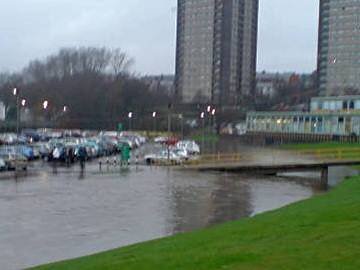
[202, 160]
[216, 158]
[332, 154]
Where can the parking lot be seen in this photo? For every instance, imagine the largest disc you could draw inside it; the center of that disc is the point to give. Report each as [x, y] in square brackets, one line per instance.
[110, 148]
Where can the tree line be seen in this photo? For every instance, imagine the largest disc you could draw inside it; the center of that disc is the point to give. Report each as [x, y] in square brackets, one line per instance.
[94, 84]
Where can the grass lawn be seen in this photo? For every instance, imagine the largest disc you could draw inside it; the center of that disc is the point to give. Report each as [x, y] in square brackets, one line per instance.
[213, 138]
[319, 233]
[331, 150]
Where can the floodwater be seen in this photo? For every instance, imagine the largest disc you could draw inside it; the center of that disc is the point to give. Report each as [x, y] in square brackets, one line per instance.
[52, 215]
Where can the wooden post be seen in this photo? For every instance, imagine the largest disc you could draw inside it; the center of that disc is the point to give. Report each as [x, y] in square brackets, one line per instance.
[324, 177]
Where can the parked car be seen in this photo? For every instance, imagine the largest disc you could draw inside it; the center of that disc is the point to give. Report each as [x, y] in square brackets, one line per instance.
[134, 137]
[59, 152]
[41, 150]
[14, 161]
[166, 140]
[25, 151]
[190, 146]
[163, 156]
[92, 149]
[160, 140]
[8, 138]
[3, 166]
[181, 153]
[112, 144]
[31, 135]
[36, 152]
[109, 133]
[98, 147]
[108, 147]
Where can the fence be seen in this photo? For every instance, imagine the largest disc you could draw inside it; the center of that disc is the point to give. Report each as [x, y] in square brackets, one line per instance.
[332, 154]
[216, 158]
[201, 160]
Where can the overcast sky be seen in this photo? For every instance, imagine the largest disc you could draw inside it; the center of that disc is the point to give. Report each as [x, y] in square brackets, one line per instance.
[146, 30]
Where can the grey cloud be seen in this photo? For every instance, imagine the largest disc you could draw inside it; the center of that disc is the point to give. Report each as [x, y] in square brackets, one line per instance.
[146, 30]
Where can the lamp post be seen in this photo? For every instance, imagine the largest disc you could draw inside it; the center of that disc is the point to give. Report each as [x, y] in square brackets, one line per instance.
[169, 117]
[213, 114]
[209, 110]
[130, 116]
[23, 104]
[181, 117]
[202, 116]
[45, 104]
[214, 128]
[63, 114]
[154, 114]
[16, 94]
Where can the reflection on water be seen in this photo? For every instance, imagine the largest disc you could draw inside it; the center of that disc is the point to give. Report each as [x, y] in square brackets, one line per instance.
[50, 217]
[197, 204]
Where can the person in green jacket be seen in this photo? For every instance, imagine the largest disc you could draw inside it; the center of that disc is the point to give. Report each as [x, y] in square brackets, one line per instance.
[125, 154]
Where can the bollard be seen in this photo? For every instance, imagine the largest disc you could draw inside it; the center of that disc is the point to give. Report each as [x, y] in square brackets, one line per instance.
[324, 177]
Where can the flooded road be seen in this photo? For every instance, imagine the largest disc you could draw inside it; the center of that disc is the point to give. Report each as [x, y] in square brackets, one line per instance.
[48, 217]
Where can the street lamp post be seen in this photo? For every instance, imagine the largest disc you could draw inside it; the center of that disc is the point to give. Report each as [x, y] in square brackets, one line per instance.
[181, 117]
[213, 127]
[63, 114]
[169, 117]
[213, 113]
[45, 106]
[209, 110]
[154, 114]
[23, 104]
[16, 94]
[169, 123]
[202, 116]
[130, 116]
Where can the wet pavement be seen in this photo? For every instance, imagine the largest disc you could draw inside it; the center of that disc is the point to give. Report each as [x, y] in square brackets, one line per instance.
[50, 215]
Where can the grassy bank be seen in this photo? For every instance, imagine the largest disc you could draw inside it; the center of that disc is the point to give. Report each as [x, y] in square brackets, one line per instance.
[208, 138]
[319, 233]
[320, 146]
[326, 151]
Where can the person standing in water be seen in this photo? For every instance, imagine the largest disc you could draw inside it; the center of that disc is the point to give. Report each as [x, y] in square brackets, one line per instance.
[82, 156]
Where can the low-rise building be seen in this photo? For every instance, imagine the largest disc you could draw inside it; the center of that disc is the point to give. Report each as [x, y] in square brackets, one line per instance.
[327, 116]
[304, 123]
[266, 88]
[335, 104]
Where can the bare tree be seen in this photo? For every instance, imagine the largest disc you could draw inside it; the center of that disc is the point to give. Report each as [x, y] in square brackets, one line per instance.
[119, 62]
[93, 83]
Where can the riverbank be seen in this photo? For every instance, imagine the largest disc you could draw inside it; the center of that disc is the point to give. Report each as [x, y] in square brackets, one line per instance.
[320, 233]
[320, 146]
[329, 150]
